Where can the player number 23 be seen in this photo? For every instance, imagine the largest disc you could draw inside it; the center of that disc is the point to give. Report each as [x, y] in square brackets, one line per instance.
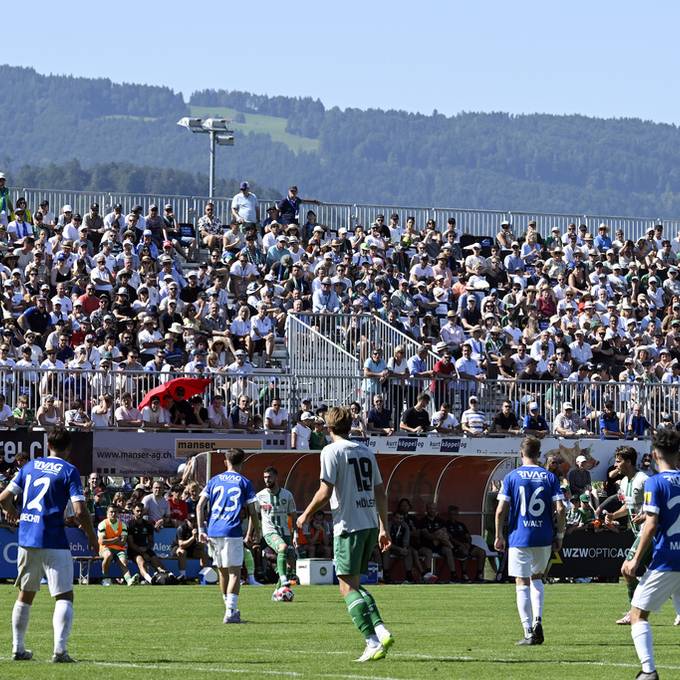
[233, 496]
[536, 504]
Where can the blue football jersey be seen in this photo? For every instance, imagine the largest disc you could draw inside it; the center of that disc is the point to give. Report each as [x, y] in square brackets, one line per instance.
[530, 491]
[46, 486]
[227, 493]
[662, 498]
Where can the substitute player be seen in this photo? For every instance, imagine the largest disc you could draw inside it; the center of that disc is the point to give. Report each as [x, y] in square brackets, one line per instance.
[661, 531]
[113, 541]
[277, 507]
[351, 480]
[227, 494]
[46, 486]
[631, 492]
[529, 497]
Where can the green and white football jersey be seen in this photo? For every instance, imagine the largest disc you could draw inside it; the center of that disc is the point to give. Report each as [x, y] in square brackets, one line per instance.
[352, 470]
[274, 511]
[631, 492]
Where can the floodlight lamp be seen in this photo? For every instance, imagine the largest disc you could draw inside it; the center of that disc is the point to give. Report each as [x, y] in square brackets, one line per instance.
[225, 140]
[192, 124]
[215, 124]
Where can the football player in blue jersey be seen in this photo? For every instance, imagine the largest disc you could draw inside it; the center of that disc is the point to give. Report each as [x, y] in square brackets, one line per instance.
[661, 530]
[46, 485]
[530, 498]
[226, 495]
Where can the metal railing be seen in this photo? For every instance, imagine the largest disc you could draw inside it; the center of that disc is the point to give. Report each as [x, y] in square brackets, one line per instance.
[325, 387]
[313, 349]
[356, 335]
[335, 215]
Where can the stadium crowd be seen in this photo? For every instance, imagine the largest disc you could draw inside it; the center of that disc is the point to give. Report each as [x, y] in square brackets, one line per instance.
[572, 333]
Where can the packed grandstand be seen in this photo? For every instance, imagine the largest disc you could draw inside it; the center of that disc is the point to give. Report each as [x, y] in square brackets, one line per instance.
[422, 327]
[567, 331]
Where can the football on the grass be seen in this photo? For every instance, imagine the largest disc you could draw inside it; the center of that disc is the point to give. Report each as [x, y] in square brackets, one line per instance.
[283, 594]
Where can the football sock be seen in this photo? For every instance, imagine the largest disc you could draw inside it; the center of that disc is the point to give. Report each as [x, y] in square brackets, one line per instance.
[62, 619]
[631, 585]
[373, 612]
[537, 599]
[127, 577]
[147, 578]
[182, 572]
[20, 615]
[524, 607]
[676, 603]
[231, 602]
[281, 564]
[249, 561]
[641, 632]
[358, 610]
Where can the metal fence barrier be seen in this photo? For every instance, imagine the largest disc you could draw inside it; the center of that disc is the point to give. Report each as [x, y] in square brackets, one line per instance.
[478, 222]
[588, 398]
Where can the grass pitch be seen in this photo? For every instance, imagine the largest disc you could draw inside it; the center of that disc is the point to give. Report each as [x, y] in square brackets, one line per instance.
[457, 631]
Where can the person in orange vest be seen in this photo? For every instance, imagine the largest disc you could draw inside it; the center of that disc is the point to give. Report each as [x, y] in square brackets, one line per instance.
[113, 535]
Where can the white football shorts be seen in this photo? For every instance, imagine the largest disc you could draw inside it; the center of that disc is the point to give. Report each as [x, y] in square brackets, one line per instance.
[525, 562]
[56, 564]
[226, 552]
[655, 588]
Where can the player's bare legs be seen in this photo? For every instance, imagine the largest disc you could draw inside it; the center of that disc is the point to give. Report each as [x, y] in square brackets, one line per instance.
[230, 585]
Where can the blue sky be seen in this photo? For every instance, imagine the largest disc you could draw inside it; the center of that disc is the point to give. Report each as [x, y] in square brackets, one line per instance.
[598, 58]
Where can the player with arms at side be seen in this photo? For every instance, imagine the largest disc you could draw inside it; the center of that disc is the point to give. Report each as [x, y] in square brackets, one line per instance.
[351, 480]
[529, 497]
[631, 491]
[226, 495]
[661, 531]
[46, 486]
[277, 507]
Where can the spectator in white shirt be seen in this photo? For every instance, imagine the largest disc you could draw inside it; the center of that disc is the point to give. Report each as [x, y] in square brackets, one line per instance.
[262, 334]
[217, 413]
[127, 415]
[276, 418]
[444, 421]
[6, 416]
[244, 206]
[155, 416]
[580, 350]
[301, 433]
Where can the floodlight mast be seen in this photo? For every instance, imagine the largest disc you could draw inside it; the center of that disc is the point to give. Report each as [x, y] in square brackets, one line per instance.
[218, 129]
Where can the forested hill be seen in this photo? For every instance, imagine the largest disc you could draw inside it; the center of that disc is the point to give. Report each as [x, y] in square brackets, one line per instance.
[485, 160]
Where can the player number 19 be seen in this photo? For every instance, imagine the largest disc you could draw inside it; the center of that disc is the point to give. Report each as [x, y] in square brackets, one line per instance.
[363, 473]
[536, 504]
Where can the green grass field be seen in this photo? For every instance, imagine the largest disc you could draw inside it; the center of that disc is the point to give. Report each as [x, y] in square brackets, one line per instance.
[442, 631]
[273, 126]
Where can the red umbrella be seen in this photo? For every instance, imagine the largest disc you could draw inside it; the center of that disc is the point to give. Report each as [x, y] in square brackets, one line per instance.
[191, 386]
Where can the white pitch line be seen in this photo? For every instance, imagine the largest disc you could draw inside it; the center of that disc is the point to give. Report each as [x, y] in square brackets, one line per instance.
[241, 671]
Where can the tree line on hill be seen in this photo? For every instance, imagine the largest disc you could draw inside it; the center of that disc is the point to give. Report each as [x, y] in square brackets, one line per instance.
[470, 160]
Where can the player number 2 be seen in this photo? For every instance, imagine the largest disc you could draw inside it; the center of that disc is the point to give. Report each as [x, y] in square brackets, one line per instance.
[675, 527]
[536, 504]
[363, 473]
[36, 502]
